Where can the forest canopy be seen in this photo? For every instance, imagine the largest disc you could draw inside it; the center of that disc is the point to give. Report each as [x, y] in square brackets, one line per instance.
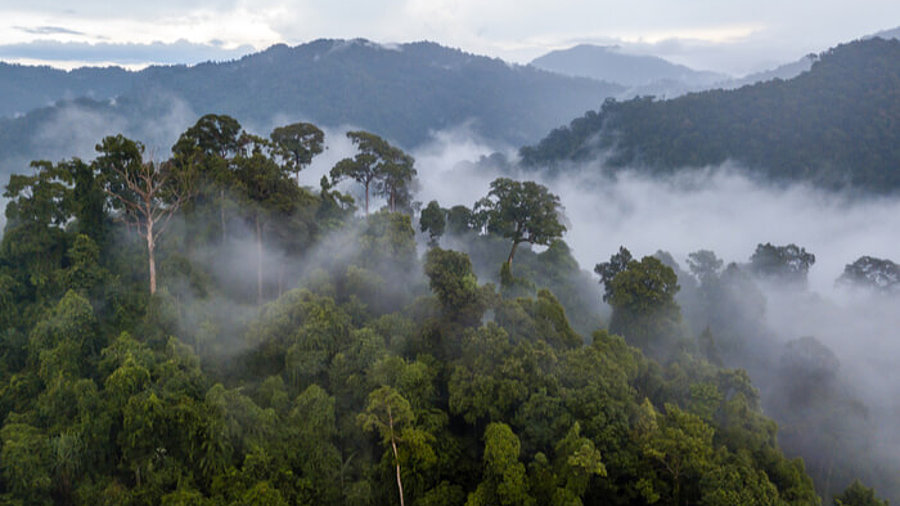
[204, 330]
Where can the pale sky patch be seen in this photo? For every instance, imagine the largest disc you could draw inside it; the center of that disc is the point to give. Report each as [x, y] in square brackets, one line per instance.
[737, 36]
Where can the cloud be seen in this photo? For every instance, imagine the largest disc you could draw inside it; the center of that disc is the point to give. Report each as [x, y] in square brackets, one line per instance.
[180, 51]
[48, 30]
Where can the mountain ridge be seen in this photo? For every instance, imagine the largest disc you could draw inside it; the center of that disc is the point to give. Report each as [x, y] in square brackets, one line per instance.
[404, 92]
[834, 125]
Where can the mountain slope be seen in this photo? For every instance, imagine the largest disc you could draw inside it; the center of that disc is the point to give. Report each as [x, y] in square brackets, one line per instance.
[23, 88]
[835, 125]
[610, 64]
[402, 93]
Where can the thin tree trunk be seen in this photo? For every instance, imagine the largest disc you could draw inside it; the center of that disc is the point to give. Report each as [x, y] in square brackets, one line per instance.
[512, 253]
[396, 454]
[367, 199]
[259, 262]
[222, 213]
[151, 255]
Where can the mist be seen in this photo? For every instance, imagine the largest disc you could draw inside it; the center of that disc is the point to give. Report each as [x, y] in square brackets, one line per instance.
[725, 210]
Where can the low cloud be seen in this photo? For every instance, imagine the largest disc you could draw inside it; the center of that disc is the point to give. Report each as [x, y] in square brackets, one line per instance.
[179, 52]
[48, 30]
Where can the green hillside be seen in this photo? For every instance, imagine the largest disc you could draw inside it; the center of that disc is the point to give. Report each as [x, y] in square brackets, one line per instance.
[836, 125]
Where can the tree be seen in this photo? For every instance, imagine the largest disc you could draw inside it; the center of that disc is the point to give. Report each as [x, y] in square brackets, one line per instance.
[210, 144]
[378, 163]
[267, 191]
[608, 270]
[35, 239]
[643, 302]
[453, 281]
[460, 220]
[433, 220]
[505, 482]
[296, 144]
[705, 265]
[788, 263]
[857, 494]
[395, 178]
[387, 414]
[522, 212]
[213, 134]
[874, 273]
[147, 193]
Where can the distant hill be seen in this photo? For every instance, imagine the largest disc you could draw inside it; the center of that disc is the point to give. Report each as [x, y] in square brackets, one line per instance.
[836, 125]
[786, 71]
[609, 63]
[23, 88]
[893, 33]
[402, 92]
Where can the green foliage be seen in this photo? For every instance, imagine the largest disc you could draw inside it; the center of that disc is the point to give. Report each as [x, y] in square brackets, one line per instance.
[505, 480]
[643, 302]
[522, 212]
[358, 383]
[380, 165]
[433, 221]
[609, 270]
[830, 126]
[296, 144]
[454, 283]
[858, 494]
[785, 263]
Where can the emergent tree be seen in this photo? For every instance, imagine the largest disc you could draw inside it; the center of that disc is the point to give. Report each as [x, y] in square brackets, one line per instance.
[147, 193]
[521, 211]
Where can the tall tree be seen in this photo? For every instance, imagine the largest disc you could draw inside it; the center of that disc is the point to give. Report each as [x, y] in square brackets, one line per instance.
[433, 220]
[643, 302]
[505, 482]
[396, 175]
[377, 164]
[788, 263]
[608, 270]
[522, 212]
[211, 144]
[147, 193]
[296, 144]
[388, 413]
[268, 191]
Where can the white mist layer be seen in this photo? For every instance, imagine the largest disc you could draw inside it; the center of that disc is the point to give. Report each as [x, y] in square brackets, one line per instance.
[725, 211]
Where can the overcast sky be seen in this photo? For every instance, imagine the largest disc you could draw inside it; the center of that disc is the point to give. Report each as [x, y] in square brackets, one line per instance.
[733, 36]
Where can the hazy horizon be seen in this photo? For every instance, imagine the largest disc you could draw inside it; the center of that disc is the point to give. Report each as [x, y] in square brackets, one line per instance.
[737, 39]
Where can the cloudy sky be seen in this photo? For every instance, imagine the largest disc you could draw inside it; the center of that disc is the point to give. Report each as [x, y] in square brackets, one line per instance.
[734, 36]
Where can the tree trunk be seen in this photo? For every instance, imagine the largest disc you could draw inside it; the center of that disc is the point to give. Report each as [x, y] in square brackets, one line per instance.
[396, 455]
[512, 253]
[259, 262]
[151, 255]
[222, 213]
[367, 199]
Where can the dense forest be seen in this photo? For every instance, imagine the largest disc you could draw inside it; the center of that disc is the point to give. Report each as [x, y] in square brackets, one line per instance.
[835, 125]
[202, 329]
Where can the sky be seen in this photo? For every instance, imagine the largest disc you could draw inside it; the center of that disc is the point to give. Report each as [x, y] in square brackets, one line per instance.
[731, 36]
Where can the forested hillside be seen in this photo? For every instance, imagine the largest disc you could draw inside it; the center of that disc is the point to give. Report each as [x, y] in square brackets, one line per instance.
[24, 88]
[613, 65]
[405, 92]
[202, 330]
[835, 125]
